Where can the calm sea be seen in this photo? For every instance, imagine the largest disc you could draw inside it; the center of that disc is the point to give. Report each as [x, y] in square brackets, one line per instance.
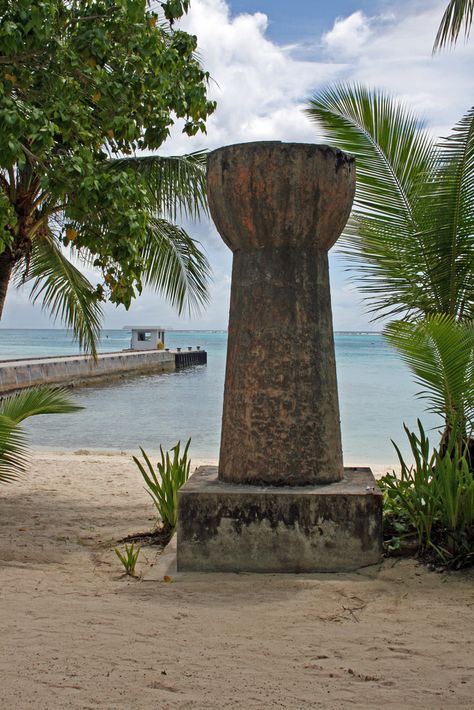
[375, 390]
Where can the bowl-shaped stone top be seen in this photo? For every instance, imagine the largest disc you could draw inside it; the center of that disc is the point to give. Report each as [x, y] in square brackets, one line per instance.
[272, 194]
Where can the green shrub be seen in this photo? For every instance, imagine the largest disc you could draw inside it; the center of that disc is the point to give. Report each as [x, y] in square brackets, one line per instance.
[163, 485]
[434, 499]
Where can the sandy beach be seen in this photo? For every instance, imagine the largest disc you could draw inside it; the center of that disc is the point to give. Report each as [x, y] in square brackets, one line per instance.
[78, 634]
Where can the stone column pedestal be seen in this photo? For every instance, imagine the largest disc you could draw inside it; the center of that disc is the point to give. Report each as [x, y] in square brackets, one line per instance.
[280, 500]
[280, 207]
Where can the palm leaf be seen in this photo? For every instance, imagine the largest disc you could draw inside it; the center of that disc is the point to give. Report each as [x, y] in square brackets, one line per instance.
[13, 410]
[65, 292]
[34, 401]
[458, 14]
[448, 219]
[440, 353]
[391, 148]
[175, 265]
[402, 233]
[13, 458]
[176, 184]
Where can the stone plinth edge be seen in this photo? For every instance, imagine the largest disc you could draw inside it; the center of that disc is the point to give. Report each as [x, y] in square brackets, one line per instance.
[228, 527]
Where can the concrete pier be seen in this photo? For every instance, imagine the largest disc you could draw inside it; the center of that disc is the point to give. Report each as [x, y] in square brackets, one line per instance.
[80, 369]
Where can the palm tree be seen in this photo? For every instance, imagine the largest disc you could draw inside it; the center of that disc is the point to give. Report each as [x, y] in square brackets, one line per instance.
[174, 262]
[410, 236]
[458, 14]
[15, 409]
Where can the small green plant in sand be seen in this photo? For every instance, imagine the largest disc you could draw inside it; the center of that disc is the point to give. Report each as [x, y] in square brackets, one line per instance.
[128, 558]
[432, 502]
[164, 483]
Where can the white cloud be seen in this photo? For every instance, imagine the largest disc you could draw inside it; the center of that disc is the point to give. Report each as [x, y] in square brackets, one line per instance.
[259, 86]
[397, 55]
[349, 35]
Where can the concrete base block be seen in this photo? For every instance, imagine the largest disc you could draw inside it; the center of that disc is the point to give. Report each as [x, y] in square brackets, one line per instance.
[164, 564]
[228, 527]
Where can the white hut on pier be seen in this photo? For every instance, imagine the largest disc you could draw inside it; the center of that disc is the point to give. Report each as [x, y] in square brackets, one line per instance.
[147, 337]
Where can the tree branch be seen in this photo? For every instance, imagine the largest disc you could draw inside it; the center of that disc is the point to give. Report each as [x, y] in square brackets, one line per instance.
[19, 58]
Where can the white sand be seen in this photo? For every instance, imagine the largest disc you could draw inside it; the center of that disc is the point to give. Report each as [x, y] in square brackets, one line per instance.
[77, 634]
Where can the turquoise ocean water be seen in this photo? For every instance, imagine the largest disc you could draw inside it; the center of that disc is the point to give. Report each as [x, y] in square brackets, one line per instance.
[376, 396]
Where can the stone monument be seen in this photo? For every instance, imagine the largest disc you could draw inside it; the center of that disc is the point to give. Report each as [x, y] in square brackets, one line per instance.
[280, 499]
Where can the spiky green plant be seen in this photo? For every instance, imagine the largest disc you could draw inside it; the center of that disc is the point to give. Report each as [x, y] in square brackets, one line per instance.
[164, 483]
[16, 408]
[129, 558]
[434, 497]
[411, 492]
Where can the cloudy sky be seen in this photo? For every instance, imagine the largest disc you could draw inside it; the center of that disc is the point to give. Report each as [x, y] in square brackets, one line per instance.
[266, 57]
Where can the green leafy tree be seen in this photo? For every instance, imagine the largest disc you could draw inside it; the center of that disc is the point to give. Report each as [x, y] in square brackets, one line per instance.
[84, 86]
[458, 16]
[14, 409]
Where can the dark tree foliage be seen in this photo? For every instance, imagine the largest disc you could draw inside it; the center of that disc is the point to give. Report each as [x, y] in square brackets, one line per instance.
[84, 83]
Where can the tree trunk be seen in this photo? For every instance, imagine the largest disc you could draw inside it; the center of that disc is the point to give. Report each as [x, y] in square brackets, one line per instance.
[6, 266]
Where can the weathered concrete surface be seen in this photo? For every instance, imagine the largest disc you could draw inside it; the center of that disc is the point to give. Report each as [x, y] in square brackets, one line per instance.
[280, 207]
[273, 194]
[76, 369]
[164, 563]
[227, 527]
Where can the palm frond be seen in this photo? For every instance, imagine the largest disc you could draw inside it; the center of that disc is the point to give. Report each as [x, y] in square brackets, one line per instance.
[409, 238]
[440, 353]
[13, 456]
[13, 410]
[458, 14]
[34, 401]
[448, 219]
[176, 185]
[65, 292]
[175, 265]
[391, 148]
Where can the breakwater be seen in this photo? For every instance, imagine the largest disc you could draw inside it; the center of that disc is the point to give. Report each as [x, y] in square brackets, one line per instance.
[190, 358]
[73, 370]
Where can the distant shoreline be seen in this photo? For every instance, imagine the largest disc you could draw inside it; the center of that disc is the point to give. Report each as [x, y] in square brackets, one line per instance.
[186, 330]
